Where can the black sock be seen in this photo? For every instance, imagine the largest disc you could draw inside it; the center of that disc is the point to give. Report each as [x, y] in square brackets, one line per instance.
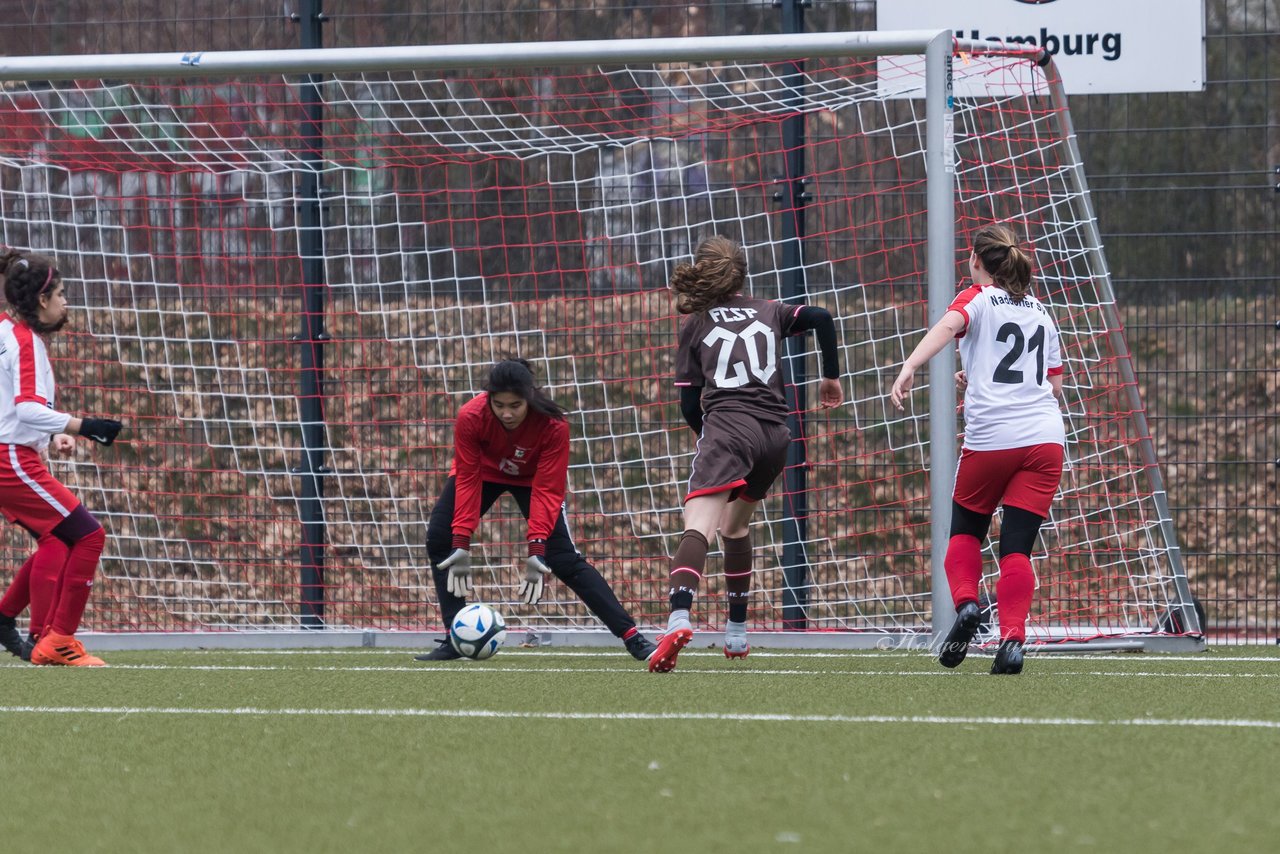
[737, 576]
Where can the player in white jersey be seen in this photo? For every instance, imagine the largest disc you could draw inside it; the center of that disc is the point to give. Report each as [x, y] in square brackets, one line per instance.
[1013, 436]
[57, 579]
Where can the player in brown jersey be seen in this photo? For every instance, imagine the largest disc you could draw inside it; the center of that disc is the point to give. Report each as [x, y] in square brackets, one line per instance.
[729, 372]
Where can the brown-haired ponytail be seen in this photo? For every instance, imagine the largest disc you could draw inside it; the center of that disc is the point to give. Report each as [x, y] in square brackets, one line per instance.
[718, 271]
[1009, 267]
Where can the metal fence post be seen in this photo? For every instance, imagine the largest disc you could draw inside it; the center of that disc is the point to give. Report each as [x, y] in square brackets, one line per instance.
[312, 336]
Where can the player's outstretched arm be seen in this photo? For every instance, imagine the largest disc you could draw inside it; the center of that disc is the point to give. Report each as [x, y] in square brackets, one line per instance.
[951, 325]
[101, 430]
[811, 317]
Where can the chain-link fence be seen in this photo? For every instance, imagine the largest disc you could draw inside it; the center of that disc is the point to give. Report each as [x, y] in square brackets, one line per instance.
[1186, 188]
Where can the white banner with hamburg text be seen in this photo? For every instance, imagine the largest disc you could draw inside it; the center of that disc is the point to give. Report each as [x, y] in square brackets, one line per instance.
[1100, 46]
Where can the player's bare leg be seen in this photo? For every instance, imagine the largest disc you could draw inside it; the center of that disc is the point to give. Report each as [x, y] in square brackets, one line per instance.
[701, 519]
[686, 573]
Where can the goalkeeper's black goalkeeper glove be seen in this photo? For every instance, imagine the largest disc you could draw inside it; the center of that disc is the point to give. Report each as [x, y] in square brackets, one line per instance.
[101, 430]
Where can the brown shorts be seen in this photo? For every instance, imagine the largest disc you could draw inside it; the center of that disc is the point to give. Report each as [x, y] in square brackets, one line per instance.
[739, 453]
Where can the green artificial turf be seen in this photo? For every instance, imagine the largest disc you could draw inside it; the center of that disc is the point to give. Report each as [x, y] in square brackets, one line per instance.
[546, 750]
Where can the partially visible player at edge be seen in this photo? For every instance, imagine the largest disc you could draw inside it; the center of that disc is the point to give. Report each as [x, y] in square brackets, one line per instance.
[514, 438]
[729, 373]
[56, 580]
[1013, 436]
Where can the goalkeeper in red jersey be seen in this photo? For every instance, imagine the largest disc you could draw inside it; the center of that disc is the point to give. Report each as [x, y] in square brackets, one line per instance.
[56, 580]
[729, 371]
[514, 439]
[1013, 437]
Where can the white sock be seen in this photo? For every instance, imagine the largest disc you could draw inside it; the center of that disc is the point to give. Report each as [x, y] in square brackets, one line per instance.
[679, 620]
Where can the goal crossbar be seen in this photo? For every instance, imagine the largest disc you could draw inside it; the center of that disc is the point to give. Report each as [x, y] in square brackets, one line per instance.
[195, 64]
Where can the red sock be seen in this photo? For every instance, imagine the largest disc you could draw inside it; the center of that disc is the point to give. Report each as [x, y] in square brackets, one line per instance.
[46, 568]
[76, 582]
[1014, 590]
[963, 564]
[18, 596]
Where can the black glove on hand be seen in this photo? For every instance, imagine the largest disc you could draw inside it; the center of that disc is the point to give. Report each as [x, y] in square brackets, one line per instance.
[101, 430]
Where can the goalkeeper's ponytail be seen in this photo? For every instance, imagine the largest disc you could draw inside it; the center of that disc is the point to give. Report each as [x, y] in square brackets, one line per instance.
[515, 376]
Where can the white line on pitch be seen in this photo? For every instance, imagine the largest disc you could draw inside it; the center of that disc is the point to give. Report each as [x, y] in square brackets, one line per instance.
[729, 670]
[1032, 653]
[1239, 723]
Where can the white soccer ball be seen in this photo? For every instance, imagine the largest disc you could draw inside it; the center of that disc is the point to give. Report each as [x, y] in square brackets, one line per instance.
[477, 632]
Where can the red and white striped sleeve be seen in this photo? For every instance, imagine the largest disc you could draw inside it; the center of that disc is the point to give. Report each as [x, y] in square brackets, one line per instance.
[33, 384]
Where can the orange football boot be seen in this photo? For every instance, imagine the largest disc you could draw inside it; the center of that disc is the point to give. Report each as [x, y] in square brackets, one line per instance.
[63, 649]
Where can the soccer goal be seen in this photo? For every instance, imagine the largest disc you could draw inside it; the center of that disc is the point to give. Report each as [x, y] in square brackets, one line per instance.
[289, 269]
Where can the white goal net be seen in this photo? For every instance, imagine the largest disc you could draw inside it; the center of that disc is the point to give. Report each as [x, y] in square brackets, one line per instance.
[479, 214]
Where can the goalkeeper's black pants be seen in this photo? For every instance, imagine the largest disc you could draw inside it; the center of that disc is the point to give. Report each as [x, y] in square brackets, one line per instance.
[566, 562]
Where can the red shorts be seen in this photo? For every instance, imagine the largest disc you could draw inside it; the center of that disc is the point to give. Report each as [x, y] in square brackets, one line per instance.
[29, 495]
[1026, 478]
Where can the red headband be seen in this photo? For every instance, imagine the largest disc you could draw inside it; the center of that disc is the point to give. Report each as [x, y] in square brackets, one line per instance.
[47, 281]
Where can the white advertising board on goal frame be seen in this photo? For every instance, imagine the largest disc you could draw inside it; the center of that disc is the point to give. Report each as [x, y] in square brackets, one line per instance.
[1100, 46]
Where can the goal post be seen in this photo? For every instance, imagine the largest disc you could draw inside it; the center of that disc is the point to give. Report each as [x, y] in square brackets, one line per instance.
[288, 269]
